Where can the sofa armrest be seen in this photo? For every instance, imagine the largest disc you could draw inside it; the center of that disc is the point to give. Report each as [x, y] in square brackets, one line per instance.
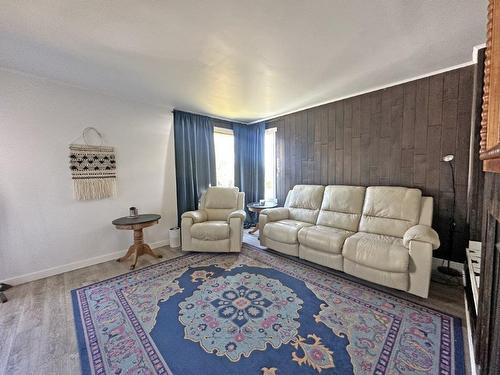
[275, 214]
[238, 214]
[422, 233]
[197, 216]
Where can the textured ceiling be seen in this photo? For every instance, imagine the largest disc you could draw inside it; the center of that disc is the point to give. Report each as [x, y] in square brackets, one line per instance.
[237, 59]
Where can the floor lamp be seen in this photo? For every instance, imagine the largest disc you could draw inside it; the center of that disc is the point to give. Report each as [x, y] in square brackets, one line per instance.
[447, 270]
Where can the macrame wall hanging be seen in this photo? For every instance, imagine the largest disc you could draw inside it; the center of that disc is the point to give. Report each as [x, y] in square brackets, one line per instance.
[93, 168]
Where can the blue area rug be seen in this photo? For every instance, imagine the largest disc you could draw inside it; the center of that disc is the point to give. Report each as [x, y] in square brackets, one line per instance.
[256, 313]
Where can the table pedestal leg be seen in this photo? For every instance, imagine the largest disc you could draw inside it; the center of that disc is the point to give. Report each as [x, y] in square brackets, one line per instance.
[254, 229]
[137, 249]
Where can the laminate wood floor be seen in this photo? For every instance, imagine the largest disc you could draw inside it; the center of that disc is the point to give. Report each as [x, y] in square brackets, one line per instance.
[37, 334]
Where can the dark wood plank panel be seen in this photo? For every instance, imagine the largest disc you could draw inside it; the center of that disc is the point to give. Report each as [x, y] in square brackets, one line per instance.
[421, 115]
[298, 147]
[435, 99]
[385, 127]
[397, 100]
[331, 144]
[287, 150]
[310, 134]
[347, 141]
[476, 181]
[419, 172]
[356, 117]
[356, 161]
[347, 154]
[339, 125]
[464, 122]
[408, 130]
[339, 167]
[293, 152]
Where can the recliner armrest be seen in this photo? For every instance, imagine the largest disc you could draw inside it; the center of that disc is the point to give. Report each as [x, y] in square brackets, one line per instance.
[276, 214]
[198, 216]
[422, 233]
[238, 214]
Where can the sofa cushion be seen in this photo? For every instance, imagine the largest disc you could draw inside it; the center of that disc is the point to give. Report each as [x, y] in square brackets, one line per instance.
[304, 202]
[390, 210]
[221, 197]
[210, 230]
[219, 202]
[385, 253]
[342, 206]
[284, 230]
[324, 238]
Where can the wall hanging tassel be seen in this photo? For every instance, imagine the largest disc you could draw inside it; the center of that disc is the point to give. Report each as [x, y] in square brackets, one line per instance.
[93, 169]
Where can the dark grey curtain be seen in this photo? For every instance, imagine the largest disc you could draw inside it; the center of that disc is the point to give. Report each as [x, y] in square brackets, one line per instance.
[194, 158]
[249, 162]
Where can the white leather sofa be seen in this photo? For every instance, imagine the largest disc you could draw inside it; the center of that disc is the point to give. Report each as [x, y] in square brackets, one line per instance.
[217, 226]
[381, 234]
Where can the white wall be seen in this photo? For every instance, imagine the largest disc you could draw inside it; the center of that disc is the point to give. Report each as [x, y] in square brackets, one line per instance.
[43, 230]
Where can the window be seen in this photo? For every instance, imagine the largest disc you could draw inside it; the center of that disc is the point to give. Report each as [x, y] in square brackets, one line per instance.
[270, 164]
[224, 160]
[224, 156]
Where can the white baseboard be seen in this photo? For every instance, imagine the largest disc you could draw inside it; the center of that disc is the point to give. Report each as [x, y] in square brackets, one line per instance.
[26, 278]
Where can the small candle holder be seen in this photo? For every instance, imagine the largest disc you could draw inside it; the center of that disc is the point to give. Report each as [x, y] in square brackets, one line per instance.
[262, 202]
[133, 212]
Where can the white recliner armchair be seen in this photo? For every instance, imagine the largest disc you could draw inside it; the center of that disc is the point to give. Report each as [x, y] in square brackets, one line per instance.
[217, 226]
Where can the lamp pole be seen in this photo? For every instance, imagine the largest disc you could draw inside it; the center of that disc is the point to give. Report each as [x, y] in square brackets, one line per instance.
[447, 270]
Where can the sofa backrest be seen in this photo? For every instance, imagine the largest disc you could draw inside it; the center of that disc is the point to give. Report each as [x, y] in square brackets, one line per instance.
[342, 206]
[426, 209]
[219, 202]
[390, 210]
[304, 202]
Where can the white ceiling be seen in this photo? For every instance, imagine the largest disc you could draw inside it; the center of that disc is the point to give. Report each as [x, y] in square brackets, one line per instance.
[237, 59]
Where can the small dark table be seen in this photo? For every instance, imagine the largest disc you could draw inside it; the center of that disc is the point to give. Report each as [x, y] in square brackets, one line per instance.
[257, 208]
[137, 224]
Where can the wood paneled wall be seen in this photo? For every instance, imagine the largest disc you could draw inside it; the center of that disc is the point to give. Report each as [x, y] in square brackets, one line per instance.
[395, 136]
[476, 179]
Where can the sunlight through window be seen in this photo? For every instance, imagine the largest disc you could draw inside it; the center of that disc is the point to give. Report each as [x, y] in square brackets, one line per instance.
[224, 156]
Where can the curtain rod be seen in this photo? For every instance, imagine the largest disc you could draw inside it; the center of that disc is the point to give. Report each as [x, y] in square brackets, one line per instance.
[211, 116]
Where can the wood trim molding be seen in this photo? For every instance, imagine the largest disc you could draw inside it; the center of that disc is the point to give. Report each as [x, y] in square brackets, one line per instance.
[489, 150]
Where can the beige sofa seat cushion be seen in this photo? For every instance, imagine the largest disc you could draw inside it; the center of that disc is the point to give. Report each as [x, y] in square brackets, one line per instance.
[324, 238]
[342, 206]
[210, 230]
[390, 210]
[304, 202]
[384, 253]
[285, 231]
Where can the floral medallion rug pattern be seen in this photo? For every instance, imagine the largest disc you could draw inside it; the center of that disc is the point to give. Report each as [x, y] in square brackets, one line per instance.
[256, 313]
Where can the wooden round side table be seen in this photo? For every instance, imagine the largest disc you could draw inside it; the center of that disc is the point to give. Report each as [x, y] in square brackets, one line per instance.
[137, 224]
[257, 208]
